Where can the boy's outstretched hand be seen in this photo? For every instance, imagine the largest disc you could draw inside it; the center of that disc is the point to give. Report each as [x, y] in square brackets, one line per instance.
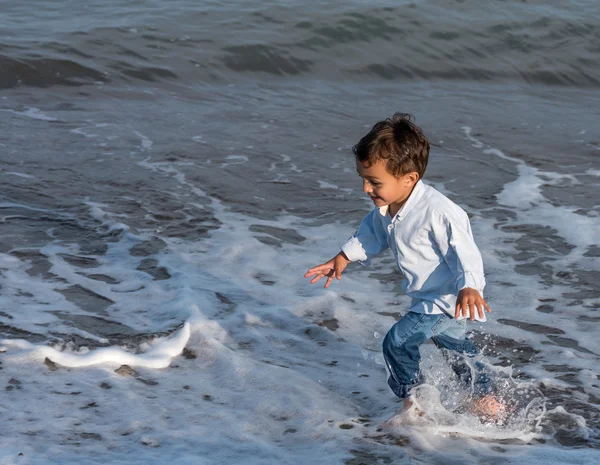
[333, 268]
[470, 301]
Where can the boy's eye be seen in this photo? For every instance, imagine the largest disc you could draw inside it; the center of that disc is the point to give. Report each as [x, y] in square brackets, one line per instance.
[373, 183]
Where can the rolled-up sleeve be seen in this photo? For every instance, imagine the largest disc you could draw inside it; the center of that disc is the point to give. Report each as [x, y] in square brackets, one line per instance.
[369, 240]
[455, 239]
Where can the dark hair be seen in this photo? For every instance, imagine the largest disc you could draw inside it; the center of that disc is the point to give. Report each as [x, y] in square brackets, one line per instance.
[399, 142]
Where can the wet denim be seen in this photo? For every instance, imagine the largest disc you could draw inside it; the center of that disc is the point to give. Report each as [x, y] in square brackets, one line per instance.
[402, 355]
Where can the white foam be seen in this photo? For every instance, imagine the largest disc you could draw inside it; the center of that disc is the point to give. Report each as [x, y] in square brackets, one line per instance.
[284, 372]
[20, 175]
[524, 196]
[158, 355]
[327, 185]
[235, 160]
[145, 142]
[33, 113]
[82, 132]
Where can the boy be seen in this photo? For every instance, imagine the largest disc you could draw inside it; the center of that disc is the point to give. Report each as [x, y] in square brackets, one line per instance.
[430, 237]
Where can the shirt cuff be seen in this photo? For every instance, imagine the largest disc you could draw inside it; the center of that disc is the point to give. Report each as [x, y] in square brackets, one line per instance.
[472, 280]
[354, 250]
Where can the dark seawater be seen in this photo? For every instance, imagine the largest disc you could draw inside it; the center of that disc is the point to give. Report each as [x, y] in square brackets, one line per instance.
[175, 161]
[191, 43]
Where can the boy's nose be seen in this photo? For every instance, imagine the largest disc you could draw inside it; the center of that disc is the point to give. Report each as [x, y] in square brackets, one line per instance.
[367, 188]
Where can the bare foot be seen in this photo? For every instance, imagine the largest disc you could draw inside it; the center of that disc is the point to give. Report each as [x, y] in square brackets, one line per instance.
[408, 404]
[489, 408]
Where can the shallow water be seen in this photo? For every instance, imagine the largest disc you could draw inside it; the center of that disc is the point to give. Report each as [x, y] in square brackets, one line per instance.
[171, 164]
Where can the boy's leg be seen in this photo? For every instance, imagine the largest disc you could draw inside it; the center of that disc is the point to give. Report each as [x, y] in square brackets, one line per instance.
[450, 334]
[401, 350]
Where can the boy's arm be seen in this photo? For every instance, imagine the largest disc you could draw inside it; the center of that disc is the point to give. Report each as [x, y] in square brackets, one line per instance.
[369, 240]
[462, 255]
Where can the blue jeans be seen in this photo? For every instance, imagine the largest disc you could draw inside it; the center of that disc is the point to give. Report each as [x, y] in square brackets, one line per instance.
[401, 351]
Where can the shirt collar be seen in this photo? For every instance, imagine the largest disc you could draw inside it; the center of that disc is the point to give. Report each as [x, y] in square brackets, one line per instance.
[413, 198]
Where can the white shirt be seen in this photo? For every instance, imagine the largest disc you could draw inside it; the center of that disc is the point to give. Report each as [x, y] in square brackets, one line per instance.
[432, 243]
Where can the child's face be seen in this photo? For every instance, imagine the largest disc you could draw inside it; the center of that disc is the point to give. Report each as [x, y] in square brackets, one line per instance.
[385, 188]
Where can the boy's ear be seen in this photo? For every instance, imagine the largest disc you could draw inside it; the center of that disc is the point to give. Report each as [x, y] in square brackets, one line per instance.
[413, 177]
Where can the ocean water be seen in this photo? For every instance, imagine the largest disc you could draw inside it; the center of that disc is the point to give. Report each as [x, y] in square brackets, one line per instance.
[171, 169]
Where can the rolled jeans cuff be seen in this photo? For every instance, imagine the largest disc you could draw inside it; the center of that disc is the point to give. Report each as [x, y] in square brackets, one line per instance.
[403, 390]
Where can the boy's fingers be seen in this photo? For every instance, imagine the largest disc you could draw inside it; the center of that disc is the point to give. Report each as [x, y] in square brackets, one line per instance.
[321, 269]
[457, 310]
[463, 310]
[471, 311]
[328, 282]
[471, 308]
[480, 311]
[314, 270]
[316, 278]
[475, 308]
